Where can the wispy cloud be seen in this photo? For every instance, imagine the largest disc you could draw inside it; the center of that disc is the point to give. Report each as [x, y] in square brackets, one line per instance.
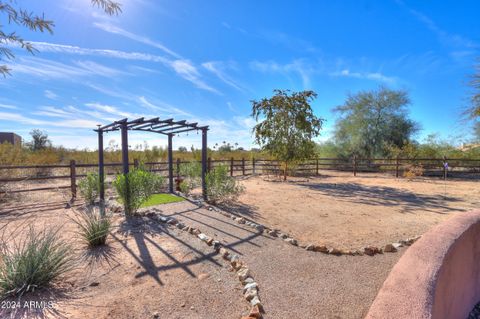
[163, 107]
[288, 41]
[300, 67]
[182, 67]
[49, 69]
[446, 38]
[108, 27]
[72, 123]
[218, 68]
[50, 95]
[8, 106]
[189, 72]
[375, 76]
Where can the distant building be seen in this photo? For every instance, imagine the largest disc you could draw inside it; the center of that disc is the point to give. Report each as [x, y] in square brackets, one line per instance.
[11, 138]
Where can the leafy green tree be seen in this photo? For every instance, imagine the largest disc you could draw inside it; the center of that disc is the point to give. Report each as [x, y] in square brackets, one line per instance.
[371, 122]
[40, 140]
[15, 15]
[287, 126]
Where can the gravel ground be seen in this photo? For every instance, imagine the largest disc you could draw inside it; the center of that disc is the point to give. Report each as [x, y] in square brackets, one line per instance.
[295, 283]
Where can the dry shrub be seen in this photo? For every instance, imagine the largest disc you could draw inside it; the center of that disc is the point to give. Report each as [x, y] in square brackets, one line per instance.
[35, 261]
[413, 171]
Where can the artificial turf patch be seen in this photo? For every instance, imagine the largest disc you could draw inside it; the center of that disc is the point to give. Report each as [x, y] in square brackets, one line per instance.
[158, 199]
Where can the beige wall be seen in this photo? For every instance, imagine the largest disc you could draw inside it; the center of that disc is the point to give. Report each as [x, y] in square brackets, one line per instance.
[438, 276]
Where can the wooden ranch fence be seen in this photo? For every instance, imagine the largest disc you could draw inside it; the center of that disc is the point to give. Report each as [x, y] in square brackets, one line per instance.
[30, 178]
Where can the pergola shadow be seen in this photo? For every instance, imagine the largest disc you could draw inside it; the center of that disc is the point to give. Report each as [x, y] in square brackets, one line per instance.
[144, 241]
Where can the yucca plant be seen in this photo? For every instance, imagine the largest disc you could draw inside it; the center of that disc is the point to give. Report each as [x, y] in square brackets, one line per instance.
[37, 260]
[94, 227]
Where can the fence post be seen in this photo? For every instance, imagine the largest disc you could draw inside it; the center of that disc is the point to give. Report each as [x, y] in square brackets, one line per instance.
[135, 163]
[209, 164]
[397, 167]
[178, 168]
[316, 164]
[354, 165]
[445, 171]
[253, 165]
[243, 166]
[231, 166]
[73, 179]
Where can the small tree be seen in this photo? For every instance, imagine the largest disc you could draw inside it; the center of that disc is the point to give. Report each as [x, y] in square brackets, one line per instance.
[287, 126]
[40, 140]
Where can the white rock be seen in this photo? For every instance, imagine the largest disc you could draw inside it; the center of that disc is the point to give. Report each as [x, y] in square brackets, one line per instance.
[252, 285]
[255, 302]
[243, 274]
[250, 294]
[203, 237]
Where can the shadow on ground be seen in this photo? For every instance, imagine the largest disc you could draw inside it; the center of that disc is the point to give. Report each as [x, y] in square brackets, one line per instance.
[144, 230]
[385, 196]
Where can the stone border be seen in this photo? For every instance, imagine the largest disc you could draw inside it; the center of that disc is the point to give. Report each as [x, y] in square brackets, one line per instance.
[250, 287]
[276, 233]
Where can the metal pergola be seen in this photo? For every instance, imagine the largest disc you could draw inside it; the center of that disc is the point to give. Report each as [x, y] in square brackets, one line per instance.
[168, 127]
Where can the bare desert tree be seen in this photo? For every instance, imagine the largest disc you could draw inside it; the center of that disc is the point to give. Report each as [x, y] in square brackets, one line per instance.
[20, 17]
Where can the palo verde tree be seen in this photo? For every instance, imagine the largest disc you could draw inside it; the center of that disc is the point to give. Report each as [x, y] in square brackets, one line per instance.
[372, 122]
[287, 126]
[21, 17]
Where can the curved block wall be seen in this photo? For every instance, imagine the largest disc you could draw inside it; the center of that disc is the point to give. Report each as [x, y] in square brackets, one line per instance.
[438, 276]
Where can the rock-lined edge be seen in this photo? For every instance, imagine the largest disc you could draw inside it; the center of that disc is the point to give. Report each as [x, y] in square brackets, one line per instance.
[276, 233]
[243, 273]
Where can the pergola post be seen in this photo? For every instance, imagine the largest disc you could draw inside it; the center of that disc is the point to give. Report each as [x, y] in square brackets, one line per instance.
[101, 169]
[170, 163]
[204, 162]
[124, 130]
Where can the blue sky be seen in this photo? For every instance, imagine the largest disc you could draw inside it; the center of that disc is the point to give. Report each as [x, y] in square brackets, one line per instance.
[204, 61]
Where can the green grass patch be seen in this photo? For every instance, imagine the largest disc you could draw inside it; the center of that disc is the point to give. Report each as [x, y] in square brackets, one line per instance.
[157, 199]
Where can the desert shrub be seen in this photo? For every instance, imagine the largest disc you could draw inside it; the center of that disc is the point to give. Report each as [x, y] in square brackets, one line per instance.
[136, 187]
[192, 172]
[94, 227]
[90, 187]
[221, 186]
[33, 262]
[413, 171]
[185, 187]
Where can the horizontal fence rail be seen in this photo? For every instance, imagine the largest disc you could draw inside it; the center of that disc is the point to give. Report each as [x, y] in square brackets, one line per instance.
[26, 175]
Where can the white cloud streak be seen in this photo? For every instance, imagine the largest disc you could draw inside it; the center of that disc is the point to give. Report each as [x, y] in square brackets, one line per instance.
[218, 69]
[182, 67]
[374, 76]
[108, 27]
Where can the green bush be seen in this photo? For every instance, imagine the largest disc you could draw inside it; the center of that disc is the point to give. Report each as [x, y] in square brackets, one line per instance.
[136, 187]
[94, 227]
[33, 262]
[90, 187]
[221, 186]
[192, 172]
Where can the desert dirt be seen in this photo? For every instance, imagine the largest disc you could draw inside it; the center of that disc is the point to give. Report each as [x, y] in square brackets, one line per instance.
[146, 269]
[352, 212]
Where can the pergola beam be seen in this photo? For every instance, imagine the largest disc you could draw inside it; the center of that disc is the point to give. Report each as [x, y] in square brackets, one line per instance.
[167, 127]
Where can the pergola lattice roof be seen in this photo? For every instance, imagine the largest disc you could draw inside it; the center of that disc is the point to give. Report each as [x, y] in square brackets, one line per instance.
[156, 125]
